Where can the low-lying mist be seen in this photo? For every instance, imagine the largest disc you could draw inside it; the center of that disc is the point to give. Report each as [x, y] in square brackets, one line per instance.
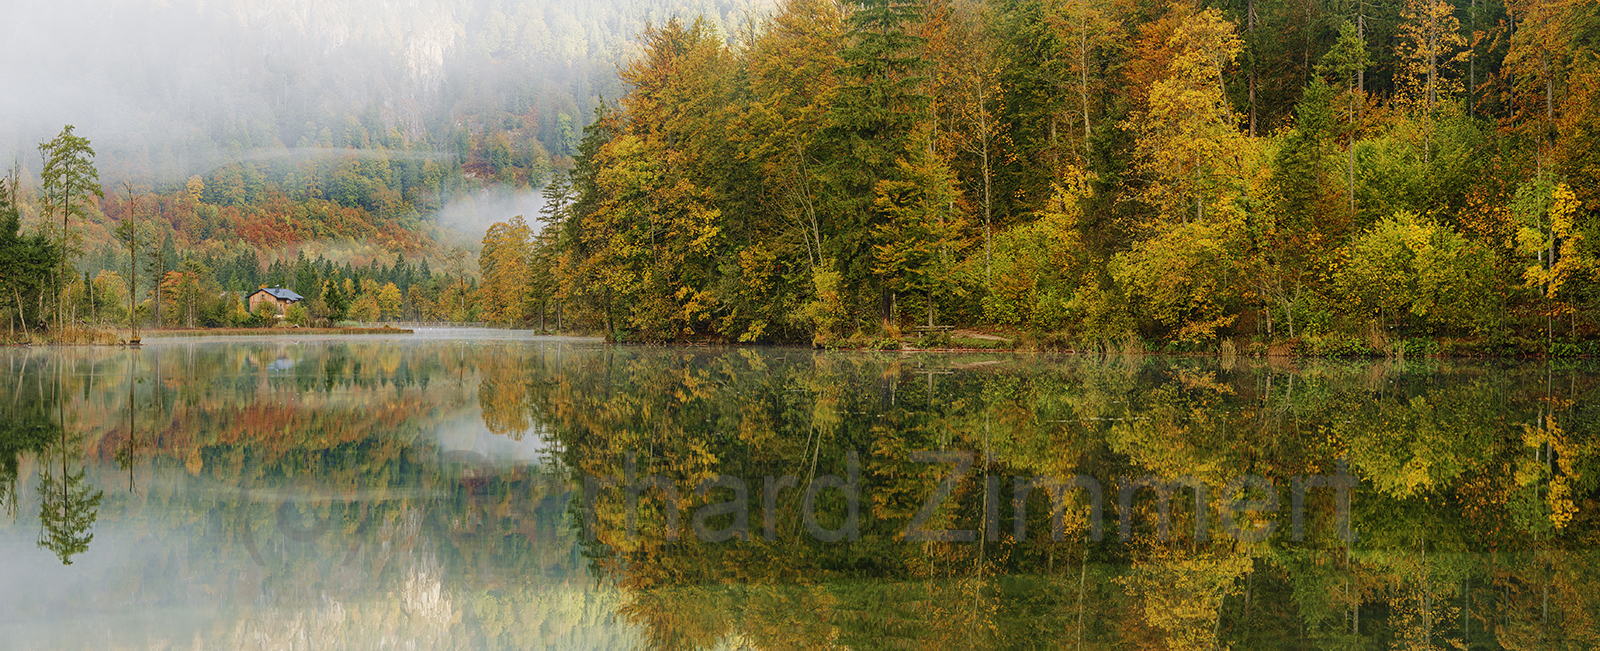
[464, 221]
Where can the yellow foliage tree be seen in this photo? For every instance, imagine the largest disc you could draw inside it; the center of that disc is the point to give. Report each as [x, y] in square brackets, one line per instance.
[1039, 265]
[1548, 232]
[365, 308]
[1430, 44]
[1409, 268]
[504, 263]
[389, 300]
[1187, 137]
[1187, 278]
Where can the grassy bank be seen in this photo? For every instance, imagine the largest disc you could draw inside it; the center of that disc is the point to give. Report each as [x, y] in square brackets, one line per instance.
[105, 337]
[67, 337]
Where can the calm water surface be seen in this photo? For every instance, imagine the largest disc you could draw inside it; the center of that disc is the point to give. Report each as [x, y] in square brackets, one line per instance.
[472, 489]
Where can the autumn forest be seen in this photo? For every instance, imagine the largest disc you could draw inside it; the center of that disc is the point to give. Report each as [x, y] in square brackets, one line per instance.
[1304, 177]
[1318, 177]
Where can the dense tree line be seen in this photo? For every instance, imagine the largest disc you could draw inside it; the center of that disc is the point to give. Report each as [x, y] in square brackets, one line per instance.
[1347, 176]
[180, 258]
[206, 290]
[344, 130]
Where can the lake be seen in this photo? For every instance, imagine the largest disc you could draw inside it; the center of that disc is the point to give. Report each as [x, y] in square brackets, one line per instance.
[493, 489]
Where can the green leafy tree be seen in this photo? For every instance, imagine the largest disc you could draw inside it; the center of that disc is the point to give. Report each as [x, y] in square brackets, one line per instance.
[67, 181]
[922, 234]
[1344, 63]
[1038, 267]
[1306, 220]
[156, 267]
[297, 315]
[195, 291]
[1412, 272]
[566, 138]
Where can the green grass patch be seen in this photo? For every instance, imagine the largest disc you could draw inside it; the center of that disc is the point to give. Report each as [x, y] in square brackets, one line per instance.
[982, 344]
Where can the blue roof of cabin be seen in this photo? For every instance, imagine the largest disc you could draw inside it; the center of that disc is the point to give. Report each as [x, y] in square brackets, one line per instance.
[279, 292]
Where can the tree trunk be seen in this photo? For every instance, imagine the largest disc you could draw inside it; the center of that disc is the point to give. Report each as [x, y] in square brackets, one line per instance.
[1083, 75]
[20, 315]
[1250, 18]
[1472, 61]
[1083, 575]
[1361, 31]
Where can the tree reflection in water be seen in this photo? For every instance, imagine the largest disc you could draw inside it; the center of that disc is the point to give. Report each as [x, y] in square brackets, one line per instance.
[1469, 518]
[34, 422]
[314, 485]
[68, 504]
[26, 428]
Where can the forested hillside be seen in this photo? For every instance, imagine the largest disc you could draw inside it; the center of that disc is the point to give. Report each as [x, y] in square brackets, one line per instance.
[1390, 176]
[323, 137]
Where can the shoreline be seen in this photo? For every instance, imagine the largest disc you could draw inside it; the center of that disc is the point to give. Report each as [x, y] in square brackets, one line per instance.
[115, 337]
[963, 341]
[164, 333]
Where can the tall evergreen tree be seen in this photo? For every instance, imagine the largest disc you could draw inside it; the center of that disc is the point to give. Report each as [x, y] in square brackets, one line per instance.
[68, 179]
[26, 261]
[870, 128]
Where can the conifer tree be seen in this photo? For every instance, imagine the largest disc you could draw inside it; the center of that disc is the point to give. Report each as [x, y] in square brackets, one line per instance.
[878, 107]
[67, 181]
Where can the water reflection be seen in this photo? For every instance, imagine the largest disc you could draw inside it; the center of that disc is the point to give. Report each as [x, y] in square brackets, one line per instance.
[264, 495]
[1466, 525]
[496, 492]
[27, 427]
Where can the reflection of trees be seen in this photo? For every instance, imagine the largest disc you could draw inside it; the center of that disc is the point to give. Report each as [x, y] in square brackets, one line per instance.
[68, 504]
[1466, 474]
[1441, 454]
[26, 423]
[24, 429]
[503, 394]
[421, 544]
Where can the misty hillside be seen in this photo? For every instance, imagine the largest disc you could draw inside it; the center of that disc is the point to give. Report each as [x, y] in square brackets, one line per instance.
[168, 89]
[355, 130]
